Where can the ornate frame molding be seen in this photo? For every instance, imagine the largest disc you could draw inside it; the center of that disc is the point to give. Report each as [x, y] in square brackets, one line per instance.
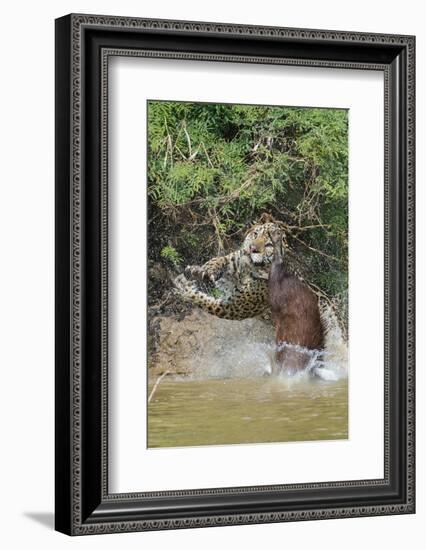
[73, 504]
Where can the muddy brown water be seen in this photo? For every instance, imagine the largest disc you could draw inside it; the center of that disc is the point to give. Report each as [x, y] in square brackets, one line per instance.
[191, 412]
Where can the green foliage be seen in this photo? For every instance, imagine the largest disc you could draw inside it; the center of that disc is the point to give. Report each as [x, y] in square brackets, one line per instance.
[171, 254]
[214, 168]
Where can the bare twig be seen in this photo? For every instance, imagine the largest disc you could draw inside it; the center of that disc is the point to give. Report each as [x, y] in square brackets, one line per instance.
[306, 227]
[168, 295]
[169, 148]
[187, 138]
[316, 250]
[207, 155]
[194, 154]
[180, 152]
[290, 229]
[256, 147]
[215, 221]
[320, 293]
[156, 385]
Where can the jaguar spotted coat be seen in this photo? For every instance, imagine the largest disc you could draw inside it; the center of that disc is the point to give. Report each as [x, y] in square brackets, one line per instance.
[234, 286]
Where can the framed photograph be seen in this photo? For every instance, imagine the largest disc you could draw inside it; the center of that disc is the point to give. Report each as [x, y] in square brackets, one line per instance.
[234, 274]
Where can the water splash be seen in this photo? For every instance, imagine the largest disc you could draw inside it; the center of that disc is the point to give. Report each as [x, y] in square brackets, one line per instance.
[235, 359]
[246, 349]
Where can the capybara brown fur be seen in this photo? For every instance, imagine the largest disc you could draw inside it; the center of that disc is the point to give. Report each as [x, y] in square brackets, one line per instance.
[295, 314]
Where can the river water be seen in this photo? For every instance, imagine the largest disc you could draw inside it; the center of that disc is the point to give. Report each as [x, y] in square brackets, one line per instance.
[252, 410]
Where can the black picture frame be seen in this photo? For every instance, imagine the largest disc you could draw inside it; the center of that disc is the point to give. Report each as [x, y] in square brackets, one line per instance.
[83, 45]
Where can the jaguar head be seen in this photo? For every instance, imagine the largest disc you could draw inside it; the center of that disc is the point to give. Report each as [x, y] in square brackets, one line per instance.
[258, 242]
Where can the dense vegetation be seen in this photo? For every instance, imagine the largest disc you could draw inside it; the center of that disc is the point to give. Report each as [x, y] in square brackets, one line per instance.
[213, 169]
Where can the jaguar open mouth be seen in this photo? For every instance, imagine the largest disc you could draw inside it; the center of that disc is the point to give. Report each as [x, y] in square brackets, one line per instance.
[262, 261]
[257, 260]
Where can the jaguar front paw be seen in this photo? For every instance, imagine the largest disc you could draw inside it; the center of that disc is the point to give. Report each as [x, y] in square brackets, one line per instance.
[198, 273]
[181, 284]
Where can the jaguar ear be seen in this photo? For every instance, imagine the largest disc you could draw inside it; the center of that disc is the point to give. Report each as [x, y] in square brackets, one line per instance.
[276, 235]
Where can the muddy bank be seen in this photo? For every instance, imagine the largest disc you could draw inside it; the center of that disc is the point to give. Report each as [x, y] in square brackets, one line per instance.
[200, 344]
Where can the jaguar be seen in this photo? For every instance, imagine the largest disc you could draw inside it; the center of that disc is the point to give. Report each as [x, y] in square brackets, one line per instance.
[234, 286]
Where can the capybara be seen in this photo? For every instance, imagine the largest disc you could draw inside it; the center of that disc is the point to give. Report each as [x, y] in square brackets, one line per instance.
[295, 314]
